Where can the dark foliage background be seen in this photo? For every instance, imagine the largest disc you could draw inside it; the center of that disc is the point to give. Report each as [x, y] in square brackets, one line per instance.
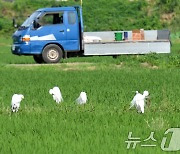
[101, 15]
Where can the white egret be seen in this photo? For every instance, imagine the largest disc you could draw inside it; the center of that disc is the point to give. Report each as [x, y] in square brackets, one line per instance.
[15, 102]
[82, 99]
[139, 101]
[56, 93]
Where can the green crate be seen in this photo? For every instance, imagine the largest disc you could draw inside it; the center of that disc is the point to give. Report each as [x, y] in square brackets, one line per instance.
[118, 36]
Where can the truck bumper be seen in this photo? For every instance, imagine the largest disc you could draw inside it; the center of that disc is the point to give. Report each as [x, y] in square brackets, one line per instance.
[20, 49]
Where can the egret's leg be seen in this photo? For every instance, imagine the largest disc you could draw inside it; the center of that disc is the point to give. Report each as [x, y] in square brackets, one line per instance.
[142, 109]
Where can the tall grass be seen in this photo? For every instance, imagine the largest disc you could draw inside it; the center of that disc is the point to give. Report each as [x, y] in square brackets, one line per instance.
[101, 126]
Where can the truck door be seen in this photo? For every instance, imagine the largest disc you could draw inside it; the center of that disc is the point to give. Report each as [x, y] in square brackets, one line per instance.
[51, 30]
[72, 25]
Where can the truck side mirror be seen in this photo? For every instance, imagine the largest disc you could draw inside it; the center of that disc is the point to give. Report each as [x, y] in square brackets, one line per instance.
[14, 23]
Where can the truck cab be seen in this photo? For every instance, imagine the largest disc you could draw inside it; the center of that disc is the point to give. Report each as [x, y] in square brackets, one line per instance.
[49, 33]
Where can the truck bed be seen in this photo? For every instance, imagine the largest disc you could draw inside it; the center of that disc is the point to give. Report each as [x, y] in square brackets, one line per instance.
[108, 46]
[126, 47]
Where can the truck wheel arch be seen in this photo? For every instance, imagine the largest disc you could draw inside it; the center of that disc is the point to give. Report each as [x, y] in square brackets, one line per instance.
[55, 44]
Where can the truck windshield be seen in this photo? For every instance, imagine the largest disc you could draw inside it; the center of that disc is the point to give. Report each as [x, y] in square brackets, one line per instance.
[30, 19]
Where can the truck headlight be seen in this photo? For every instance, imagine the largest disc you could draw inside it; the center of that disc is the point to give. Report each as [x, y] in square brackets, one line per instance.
[26, 38]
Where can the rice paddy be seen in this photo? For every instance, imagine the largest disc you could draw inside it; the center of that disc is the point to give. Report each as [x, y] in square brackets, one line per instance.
[103, 124]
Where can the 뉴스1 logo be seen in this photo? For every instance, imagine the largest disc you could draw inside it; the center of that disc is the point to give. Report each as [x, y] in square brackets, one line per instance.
[174, 144]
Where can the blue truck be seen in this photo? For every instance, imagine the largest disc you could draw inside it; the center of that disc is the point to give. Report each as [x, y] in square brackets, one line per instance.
[50, 34]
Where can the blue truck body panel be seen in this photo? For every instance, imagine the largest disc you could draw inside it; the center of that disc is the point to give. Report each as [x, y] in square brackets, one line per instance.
[64, 33]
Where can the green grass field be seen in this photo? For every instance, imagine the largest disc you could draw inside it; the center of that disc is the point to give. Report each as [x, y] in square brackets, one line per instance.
[103, 124]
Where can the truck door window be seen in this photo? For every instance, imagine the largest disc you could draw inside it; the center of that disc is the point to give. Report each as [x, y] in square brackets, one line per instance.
[71, 18]
[51, 19]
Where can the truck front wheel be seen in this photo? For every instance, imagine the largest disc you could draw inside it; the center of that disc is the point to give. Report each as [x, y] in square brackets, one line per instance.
[52, 53]
[38, 59]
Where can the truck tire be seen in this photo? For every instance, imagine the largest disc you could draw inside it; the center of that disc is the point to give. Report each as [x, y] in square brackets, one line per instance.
[38, 59]
[52, 53]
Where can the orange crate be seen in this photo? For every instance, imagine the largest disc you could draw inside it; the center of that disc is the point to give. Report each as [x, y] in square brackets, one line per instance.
[138, 35]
